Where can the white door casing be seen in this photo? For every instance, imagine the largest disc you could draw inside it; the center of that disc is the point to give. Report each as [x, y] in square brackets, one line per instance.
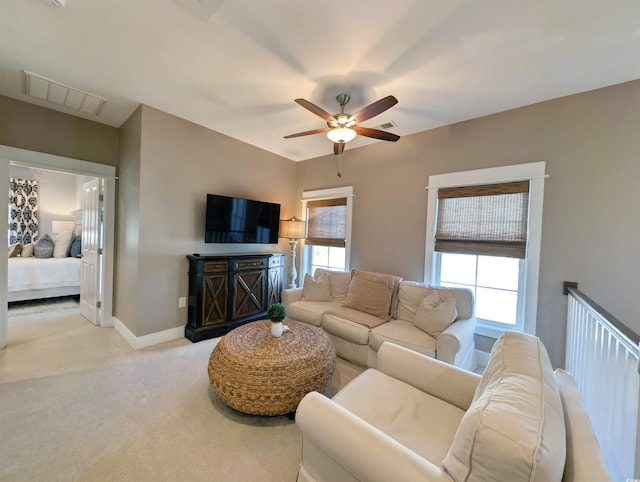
[107, 173]
[90, 272]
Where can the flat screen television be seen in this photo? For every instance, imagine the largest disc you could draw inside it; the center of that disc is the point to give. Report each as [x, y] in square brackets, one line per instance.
[237, 220]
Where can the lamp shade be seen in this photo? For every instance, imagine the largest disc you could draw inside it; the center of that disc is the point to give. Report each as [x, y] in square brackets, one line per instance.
[341, 134]
[293, 229]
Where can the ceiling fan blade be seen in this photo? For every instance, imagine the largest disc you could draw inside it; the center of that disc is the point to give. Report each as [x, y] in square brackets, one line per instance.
[376, 134]
[372, 110]
[307, 133]
[319, 111]
[338, 148]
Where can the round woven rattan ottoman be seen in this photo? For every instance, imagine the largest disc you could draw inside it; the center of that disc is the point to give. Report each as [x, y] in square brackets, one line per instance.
[256, 373]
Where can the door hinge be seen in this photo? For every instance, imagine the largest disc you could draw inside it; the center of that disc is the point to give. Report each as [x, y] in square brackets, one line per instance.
[101, 197]
[99, 304]
[99, 251]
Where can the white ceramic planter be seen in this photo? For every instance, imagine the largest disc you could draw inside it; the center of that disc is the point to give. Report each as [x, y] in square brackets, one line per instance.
[277, 329]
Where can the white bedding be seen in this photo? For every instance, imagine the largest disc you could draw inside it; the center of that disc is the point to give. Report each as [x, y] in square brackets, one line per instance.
[37, 273]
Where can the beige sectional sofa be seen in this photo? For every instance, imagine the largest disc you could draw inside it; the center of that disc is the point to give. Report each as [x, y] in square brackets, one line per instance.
[360, 310]
[415, 418]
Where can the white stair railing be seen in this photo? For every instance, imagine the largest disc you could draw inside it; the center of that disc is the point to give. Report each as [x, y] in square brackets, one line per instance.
[602, 355]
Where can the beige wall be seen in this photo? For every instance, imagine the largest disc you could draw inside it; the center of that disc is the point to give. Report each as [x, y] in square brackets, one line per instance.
[590, 227]
[180, 163]
[127, 245]
[36, 128]
[591, 209]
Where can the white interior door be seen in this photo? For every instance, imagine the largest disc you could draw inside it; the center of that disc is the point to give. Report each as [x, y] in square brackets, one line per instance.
[90, 274]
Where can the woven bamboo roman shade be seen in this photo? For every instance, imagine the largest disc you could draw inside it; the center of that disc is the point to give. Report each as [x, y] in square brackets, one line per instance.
[327, 222]
[485, 219]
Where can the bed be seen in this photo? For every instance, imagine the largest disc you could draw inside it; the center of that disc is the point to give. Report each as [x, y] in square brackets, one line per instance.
[34, 278]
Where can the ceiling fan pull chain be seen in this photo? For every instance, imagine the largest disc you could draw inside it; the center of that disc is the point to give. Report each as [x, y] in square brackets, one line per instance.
[340, 165]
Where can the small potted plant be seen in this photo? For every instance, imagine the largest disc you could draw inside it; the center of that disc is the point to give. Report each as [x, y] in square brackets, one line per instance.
[277, 313]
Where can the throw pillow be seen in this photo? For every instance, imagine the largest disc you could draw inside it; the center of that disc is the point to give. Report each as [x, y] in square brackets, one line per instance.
[14, 250]
[371, 293]
[434, 316]
[316, 290]
[338, 283]
[61, 243]
[27, 250]
[43, 247]
[76, 247]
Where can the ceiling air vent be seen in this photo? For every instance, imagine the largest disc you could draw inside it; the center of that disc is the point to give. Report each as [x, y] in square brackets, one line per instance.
[386, 125]
[60, 94]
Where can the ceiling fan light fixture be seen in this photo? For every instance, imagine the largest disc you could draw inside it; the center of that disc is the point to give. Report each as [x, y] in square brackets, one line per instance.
[341, 134]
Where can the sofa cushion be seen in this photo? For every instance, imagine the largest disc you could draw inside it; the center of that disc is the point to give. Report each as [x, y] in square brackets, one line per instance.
[463, 297]
[316, 289]
[310, 311]
[514, 428]
[371, 293]
[433, 315]
[338, 283]
[365, 319]
[411, 294]
[403, 333]
[350, 325]
[421, 422]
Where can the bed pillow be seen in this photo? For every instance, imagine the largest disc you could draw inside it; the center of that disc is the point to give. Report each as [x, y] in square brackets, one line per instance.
[27, 250]
[434, 316]
[43, 247]
[61, 243]
[76, 247]
[14, 250]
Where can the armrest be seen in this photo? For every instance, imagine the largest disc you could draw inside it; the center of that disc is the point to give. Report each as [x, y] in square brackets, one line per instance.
[290, 295]
[584, 460]
[355, 446]
[435, 377]
[456, 340]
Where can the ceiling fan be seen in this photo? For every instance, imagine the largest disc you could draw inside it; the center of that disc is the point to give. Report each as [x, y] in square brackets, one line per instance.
[343, 127]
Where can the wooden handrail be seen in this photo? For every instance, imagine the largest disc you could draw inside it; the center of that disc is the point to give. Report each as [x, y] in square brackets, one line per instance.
[628, 336]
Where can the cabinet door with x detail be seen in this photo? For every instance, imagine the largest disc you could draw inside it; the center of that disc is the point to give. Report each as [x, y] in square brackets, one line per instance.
[214, 299]
[249, 293]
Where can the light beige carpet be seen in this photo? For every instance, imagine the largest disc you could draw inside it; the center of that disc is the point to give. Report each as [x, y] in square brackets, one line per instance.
[29, 307]
[77, 404]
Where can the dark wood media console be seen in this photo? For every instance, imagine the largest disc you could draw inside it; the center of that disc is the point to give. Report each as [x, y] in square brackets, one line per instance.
[226, 291]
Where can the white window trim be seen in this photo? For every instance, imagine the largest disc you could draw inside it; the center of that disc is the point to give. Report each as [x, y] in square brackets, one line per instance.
[534, 172]
[333, 193]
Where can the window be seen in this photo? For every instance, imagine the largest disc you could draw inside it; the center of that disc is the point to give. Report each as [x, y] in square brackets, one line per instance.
[483, 233]
[495, 281]
[327, 257]
[328, 215]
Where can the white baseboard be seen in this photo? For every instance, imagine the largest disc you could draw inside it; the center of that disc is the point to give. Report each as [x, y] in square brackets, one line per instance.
[138, 342]
[482, 358]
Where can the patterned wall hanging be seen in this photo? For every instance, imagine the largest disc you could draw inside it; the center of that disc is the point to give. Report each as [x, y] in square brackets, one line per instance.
[23, 211]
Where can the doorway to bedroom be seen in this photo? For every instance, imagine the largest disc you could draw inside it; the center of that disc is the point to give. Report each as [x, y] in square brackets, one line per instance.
[48, 205]
[77, 204]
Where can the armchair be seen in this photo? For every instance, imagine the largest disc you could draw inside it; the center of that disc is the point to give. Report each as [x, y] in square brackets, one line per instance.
[417, 418]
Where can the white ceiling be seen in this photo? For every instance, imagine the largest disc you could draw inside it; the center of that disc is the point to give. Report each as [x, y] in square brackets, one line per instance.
[236, 66]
